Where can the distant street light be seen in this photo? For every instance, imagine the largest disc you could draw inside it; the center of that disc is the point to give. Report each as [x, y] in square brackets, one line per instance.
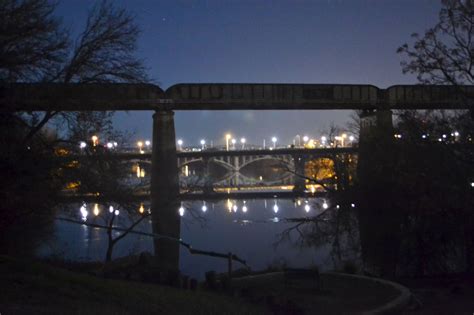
[227, 138]
[343, 137]
[95, 140]
[82, 144]
[180, 144]
[324, 140]
[203, 143]
[233, 143]
[243, 140]
[351, 139]
[274, 140]
[307, 208]
[147, 144]
[110, 145]
[140, 146]
[305, 139]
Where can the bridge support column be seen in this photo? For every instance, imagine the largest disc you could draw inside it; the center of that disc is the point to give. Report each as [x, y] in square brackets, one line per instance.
[237, 170]
[165, 190]
[300, 181]
[379, 212]
[208, 186]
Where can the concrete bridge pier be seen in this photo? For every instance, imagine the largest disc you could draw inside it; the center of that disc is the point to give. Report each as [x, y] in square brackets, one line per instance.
[165, 190]
[378, 205]
[299, 180]
[208, 187]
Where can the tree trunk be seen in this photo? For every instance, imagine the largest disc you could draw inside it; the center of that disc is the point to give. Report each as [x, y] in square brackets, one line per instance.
[108, 255]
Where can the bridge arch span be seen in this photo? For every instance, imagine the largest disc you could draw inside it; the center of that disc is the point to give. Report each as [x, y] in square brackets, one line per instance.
[285, 160]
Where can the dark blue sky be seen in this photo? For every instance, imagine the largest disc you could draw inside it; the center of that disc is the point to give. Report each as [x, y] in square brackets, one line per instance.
[319, 41]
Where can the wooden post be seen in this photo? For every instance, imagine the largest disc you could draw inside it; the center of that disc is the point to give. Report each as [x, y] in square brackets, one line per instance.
[230, 266]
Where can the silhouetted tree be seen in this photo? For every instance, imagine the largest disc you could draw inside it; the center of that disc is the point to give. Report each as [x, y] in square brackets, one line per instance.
[443, 55]
[35, 47]
[32, 41]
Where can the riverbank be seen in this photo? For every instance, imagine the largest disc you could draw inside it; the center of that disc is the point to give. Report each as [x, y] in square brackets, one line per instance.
[37, 288]
[450, 294]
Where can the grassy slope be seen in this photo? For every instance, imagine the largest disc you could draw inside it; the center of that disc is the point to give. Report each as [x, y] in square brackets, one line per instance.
[27, 288]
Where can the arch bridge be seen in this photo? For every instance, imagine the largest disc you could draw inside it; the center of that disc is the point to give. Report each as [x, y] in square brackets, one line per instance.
[291, 161]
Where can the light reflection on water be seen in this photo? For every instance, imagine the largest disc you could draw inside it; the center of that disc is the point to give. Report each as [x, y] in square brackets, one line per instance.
[248, 229]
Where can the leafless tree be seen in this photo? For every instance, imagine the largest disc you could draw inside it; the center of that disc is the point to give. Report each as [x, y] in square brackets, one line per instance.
[445, 53]
[32, 41]
[36, 48]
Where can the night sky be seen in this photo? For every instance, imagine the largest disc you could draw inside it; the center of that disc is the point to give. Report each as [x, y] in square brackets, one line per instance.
[326, 41]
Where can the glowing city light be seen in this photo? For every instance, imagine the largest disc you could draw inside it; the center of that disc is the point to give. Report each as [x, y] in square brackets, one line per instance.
[204, 207]
[181, 211]
[235, 208]
[307, 208]
[325, 205]
[305, 139]
[227, 138]
[95, 140]
[117, 212]
[244, 209]
[353, 205]
[147, 143]
[275, 207]
[111, 209]
[141, 209]
[110, 145]
[96, 209]
[82, 144]
[84, 212]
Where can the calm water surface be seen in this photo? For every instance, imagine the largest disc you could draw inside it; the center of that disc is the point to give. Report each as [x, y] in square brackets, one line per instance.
[250, 232]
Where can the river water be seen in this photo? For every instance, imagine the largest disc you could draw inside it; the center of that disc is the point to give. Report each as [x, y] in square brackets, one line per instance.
[248, 229]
